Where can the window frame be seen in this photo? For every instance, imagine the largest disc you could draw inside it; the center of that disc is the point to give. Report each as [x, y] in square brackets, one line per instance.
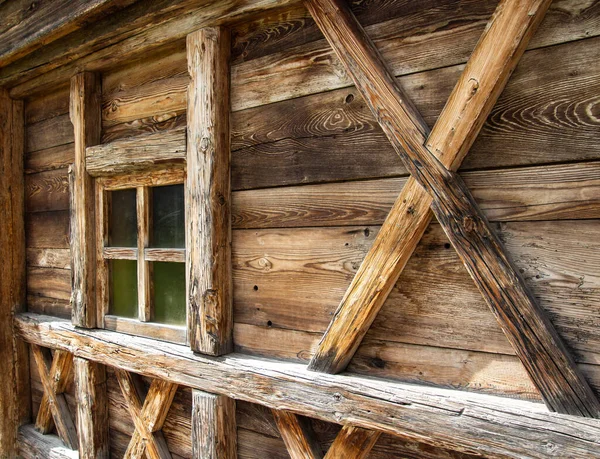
[142, 182]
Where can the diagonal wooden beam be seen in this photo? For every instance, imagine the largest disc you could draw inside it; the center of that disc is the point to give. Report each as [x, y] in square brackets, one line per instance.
[525, 324]
[62, 363]
[298, 435]
[57, 401]
[485, 75]
[149, 417]
[352, 442]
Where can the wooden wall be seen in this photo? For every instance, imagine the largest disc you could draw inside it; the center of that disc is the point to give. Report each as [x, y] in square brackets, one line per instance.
[314, 176]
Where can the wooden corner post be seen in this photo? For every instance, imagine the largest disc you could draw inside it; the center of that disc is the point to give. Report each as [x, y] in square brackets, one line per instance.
[15, 400]
[85, 111]
[214, 431]
[208, 193]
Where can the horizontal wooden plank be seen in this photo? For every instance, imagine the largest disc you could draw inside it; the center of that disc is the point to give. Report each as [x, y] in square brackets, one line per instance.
[50, 158]
[137, 153]
[47, 105]
[276, 270]
[47, 191]
[152, 330]
[120, 253]
[49, 283]
[452, 419]
[33, 445]
[47, 230]
[49, 133]
[565, 191]
[333, 136]
[166, 255]
[51, 306]
[49, 258]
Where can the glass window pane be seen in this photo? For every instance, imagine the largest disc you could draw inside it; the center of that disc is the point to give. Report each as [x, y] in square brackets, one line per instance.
[122, 224]
[123, 288]
[168, 216]
[169, 293]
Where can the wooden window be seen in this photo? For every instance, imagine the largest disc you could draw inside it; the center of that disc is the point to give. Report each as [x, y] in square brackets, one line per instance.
[140, 240]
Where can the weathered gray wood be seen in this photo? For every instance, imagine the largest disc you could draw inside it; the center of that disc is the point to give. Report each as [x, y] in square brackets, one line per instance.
[85, 113]
[140, 153]
[14, 380]
[214, 432]
[525, 324]
[208, 194]
[92, 409]
[453, 419]
[34, 445]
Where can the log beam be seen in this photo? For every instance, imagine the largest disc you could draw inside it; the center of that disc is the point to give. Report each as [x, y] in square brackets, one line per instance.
[85, 112]
[214, 431]
[525, 324]
[298, 435]
[92, 409]
[463, 421]
[352, 442]
[208, 193]
[15, 400]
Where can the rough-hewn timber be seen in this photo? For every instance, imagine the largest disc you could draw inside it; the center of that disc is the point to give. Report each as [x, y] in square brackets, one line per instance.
[298, 436]
[214, 430]
[352, 442]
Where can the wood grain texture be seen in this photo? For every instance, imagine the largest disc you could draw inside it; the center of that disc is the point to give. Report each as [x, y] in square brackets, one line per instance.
[144, 268]
[525, 324]
[47, 191]
[85, 115]
[33, 445]
[14, 389]
[57, 157]
[208, 194]
[60, 376]
[137, 154]
[214, 430]
[48, 133]
[451, 419]
[352, 442]
[56, 401]
[298, 436]
[92, 409]
[485, 75]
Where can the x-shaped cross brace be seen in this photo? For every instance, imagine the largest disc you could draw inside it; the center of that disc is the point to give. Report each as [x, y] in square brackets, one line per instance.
[54, 374]
[431, 158]
[148, 418]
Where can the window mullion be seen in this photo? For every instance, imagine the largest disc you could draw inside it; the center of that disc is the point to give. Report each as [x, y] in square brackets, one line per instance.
[144, 213]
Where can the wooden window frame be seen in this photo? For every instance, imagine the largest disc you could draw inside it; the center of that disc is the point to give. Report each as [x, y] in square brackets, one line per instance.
[141, 182]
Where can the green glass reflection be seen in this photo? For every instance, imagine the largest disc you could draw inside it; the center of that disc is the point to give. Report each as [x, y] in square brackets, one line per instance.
[123, 288]
[122, 225]
[169, 293]
[168, 217]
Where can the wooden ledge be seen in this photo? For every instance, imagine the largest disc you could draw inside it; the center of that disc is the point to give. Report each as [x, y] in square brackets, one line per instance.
[476, 423]
[33, 444]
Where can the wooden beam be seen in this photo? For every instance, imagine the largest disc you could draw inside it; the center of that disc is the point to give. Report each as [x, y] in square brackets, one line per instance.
[298, 435]
[525, 324]
[58, 403]
[214, 431]
[48, 22]
[144, 268]
[463, 421]
[480, 84]
[85, 112]
[141, 153]
[208, 193]
[15, 400]
[34, 445]
[92, 409]
[62, 364]
[353, 442]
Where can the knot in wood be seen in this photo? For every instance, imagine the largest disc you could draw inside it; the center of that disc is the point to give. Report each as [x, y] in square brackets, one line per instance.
[474, 85]
[469, 224]
[204, 144]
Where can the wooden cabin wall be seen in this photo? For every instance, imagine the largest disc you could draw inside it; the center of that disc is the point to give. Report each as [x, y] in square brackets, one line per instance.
[314, 176]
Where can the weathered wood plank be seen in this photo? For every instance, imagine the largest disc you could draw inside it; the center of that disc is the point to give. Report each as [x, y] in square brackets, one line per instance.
[47, 191]
[352, 442]
[33, 445]
[92, 409]
[60, 375]
[298, 436]
[47, 230]
[85, 115]
[51, 132]
[456, 420]
[15, 402]
[168, 255]
[144, 268]
[48, 105]
[48, 159]
[49, 258]
[208, 194]
[56, 401]
[137, 154]
[214, 431]
[479, 86]
[525, 324]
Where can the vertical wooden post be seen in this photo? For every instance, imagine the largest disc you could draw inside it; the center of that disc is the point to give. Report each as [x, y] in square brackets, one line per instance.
[214, 431]
[143, 267]
[15, 400]
[208, 193]
[85, 111]
[92, 409]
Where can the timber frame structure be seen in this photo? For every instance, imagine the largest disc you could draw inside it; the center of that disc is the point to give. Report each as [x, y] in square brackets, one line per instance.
[105, 95]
